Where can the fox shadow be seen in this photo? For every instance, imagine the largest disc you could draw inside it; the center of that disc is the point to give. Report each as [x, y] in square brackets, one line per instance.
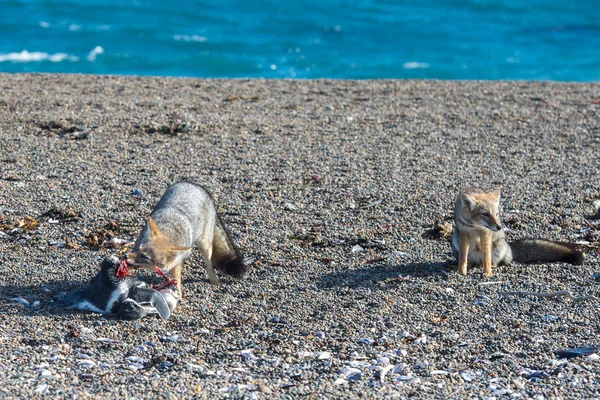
[383, 276]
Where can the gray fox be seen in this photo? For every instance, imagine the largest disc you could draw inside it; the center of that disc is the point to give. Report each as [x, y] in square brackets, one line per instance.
[186, 216]
[479, 240]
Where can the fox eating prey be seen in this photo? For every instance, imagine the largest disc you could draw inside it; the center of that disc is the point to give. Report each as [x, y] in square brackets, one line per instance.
[185, 217]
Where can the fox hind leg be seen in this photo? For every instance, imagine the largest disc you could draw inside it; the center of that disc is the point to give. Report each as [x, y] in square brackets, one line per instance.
[205, 245]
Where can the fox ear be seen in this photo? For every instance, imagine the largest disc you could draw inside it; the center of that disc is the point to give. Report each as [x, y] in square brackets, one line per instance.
[470, 201]
[180, 248]
[154, 231]
[496, 195]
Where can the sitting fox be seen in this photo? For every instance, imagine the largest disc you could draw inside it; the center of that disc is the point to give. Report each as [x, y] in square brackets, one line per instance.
[186, 216]
[479, 240]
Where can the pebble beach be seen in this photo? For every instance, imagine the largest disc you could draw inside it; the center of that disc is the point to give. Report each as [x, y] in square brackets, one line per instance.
[340, 194]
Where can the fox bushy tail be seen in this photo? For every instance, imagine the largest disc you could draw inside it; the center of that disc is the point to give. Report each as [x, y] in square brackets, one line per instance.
[542, 250]
[226, 257]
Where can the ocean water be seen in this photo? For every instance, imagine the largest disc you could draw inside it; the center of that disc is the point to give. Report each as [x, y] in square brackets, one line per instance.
[358, 39]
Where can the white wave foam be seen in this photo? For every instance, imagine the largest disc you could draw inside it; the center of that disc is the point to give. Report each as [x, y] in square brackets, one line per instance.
[36, 56]
[94, 53]
[44, 24]
[415, 65]
[192, 38]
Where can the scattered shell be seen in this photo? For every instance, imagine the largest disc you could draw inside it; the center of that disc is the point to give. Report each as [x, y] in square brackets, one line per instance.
[42, 388]
[21, 301]
[467, 376]
[289, 207]
[264, 389]
[384, 372]
[439, 372]
[44, 373]
[324, 356]
[356, 248]
[86, 363]
[550, 318]
[368, 341]
[247, 354]
[482, 300]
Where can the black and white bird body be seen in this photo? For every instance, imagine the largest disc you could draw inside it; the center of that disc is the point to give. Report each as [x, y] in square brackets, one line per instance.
[114, 291]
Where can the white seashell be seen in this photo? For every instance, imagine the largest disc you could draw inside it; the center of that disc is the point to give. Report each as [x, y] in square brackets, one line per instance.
[21, 301]
[420, 340]
[467, 376]
[174, 338]
[247, 354]
[358, 364]
[204, 332]
[340, 381]
[383, 361]
[135, 359]
[439, 372]
[305, 354]
[501, 392]
[366, 340]
[449, 290]
[550, 318]
[348, 371]
[104, 340]
[399, 368]
[324, 356]
[404, 378]
[384, 372]
[193, 367]
[135, 366]
[42, 388]
[593, 357]
[86, 363]
[356, 248]
[44, 373]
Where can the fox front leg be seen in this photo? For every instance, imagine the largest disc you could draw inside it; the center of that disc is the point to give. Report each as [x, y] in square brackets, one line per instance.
[463, 252]
[486, 247]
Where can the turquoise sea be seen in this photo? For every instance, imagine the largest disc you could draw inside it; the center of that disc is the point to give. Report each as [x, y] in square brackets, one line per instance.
[445, 39]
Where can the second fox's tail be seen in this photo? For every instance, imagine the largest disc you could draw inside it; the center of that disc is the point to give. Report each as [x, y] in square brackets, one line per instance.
[226, 256]
[542, 250]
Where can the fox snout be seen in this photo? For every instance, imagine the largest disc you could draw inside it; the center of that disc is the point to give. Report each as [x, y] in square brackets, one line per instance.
[495, 228]
[132, 260]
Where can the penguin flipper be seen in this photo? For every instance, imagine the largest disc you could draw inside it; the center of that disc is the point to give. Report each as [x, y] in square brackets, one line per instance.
[151, 301]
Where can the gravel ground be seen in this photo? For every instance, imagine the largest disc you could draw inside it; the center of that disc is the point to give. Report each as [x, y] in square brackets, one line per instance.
[332, 189]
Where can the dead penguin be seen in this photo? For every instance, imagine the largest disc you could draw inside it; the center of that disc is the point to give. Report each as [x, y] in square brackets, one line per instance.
[114, 291]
